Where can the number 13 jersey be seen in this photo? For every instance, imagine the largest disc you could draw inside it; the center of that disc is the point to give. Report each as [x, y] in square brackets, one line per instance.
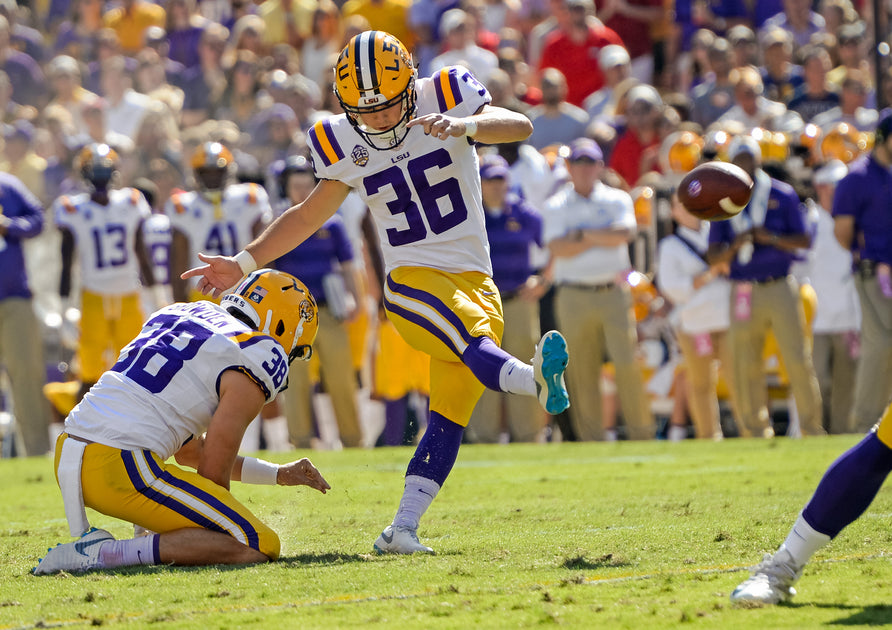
[424, 194]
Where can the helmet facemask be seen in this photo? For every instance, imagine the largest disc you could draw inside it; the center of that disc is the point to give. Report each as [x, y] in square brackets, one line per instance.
[389, 138]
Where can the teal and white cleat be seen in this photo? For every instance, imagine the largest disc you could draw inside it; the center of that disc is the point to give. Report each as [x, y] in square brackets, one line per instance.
[549, 364]
[74, 557]
[400, 540]
[771, 582]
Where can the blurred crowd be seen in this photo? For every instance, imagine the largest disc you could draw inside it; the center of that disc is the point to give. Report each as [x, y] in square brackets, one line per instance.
[199, 109]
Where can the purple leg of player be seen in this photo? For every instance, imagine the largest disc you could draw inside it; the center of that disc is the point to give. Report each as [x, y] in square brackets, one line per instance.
[849, 486]
[437, 450]
[485, 359]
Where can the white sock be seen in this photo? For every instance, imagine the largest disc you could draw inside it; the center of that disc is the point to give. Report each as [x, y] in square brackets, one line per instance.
[275, 433]
[128, 552]
[677, 433]
[516, 377]
[803, 541]
[610, 435]
[417, 497]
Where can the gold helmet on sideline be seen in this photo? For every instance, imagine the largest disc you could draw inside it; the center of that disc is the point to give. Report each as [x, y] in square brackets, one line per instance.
[375, 72]
[97, 164]
[279, 305]
[211, 163]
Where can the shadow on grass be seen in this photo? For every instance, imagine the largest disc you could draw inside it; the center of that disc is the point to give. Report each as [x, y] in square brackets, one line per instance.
[309, 559]
[879, 615]
[581, 563]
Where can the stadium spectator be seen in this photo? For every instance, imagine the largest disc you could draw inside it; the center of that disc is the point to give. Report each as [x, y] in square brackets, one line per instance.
[798, 19]
[460, 47]
[156, 41]
[243, 98]
[700, 294]
[746, 48]
[861, 225]
[25, 73]
[751, 109]
[64, 74]
[760, 243]
[573, 49]
[513, 227]
[184, 26]
[780, 76]
[636, 148]
[125, 107]
[208, 400]
[814, 96]
[587, 228]
[76, 36]
[512, 62]
[323, 44]
[838, 319]
[851, 109]
[205, 83]
[851, 50]
[555, 121]
[711, 99]
[391, 16]
[25, 38]
[131, 19]
[615, 64]
[20, 160]
[635, 21]
[21, 350]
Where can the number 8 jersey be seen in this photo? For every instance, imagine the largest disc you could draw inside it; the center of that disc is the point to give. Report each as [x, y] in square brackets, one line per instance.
[424, 194]
[163, 389]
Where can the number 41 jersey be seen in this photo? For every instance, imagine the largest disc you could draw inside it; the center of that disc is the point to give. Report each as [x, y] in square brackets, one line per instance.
[164, 387]
[425, 194]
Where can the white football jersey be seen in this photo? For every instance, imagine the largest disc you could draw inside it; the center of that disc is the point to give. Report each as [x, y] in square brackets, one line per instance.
[156, 236]
[163, 389]
[223, 230]
[105, 238]
[424, 195]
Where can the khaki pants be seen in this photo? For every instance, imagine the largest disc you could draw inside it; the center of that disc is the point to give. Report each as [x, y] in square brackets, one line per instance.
[21, 351]
[873, 387]
[522, 414]
[595, 323]
[332, 350]
[774, 305]
[835, 368]
[702, 379]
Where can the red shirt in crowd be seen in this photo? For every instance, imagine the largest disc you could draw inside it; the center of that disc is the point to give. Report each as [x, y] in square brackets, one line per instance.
[635, 33]
[626, 156]
[578, 62]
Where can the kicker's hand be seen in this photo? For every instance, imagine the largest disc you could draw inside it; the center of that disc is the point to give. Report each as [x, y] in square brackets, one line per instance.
[220, 273]
[439, 125]
[302, 473]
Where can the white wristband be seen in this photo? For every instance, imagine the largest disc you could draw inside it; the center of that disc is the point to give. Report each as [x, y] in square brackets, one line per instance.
[470, 127]
[259, 472]
[246, 262]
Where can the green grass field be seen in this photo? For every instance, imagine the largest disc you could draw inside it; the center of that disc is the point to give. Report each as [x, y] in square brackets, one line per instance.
[623, 535]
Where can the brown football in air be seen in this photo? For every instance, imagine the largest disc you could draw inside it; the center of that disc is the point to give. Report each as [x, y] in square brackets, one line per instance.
[714, 191]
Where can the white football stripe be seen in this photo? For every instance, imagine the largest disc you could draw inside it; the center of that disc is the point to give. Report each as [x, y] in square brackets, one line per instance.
[366, 59]
[187, 499]
[429, 313]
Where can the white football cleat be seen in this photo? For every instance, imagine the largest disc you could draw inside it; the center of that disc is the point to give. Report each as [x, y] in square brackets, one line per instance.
[400, 540]
[74, 557]
[549, 364]
[772, 581]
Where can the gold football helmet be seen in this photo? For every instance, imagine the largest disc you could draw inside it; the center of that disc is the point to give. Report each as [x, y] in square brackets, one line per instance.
[98, 164]
[680, 152]
[279, 305]
[211, 163]
[375, 72]
[843, 142]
